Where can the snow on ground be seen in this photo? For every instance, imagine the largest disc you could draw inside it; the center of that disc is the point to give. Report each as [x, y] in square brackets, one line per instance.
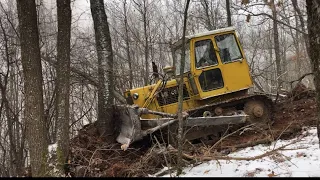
[300, 159]
[52, 148]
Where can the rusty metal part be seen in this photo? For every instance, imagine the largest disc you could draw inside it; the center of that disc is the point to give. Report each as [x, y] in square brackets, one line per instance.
[259, 112]
[257, 107]
[234, 101]
[163, 114]
[207, 114]
[218, 111]
[216, 120]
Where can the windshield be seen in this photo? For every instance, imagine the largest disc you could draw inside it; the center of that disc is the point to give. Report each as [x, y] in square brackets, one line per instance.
[177, 61]
[205, 54]
[228, 48]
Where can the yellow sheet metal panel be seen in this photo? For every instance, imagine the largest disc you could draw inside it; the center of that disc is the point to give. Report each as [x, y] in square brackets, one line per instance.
[143, 93]
[235, 74]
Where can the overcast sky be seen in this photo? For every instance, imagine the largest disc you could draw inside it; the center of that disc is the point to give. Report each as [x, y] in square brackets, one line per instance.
[80, 11]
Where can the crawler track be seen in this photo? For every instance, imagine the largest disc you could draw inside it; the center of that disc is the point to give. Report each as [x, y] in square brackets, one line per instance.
[259, 107]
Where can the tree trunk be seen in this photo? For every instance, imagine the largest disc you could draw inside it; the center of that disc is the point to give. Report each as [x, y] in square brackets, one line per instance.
[127, 44]
[276, 43]
[270, 52]
[180, 97]
[300, 15]
[228, 12]
[105, 68]
[313, 11]
[208, 23]
[32, 73]
[146, 47]
[296, 42]
[63, 80]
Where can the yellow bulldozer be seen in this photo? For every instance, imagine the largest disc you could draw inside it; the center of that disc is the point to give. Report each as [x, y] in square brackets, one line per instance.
[216, 83]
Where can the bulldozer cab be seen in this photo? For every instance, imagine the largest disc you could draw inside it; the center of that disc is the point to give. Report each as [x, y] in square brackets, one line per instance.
[215, 63]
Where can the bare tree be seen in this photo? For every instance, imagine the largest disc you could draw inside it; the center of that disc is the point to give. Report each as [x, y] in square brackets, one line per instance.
[313, 11]
[105, 67]
[228, 13]
[34, 108]
[209, 21]
[142, 7]
[180, 97]
[276, 41]
[12, 133]
[63, 80]
[125, 10]
[302, 24]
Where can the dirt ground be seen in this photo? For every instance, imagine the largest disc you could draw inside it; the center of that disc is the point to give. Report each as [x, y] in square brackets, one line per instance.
[91, 156]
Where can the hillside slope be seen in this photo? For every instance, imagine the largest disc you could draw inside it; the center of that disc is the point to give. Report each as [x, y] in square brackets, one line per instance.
[91, 156]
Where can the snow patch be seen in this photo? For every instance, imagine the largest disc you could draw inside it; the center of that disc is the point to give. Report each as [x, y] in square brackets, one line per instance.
[299, 159]
[52, 158]
[52, 147]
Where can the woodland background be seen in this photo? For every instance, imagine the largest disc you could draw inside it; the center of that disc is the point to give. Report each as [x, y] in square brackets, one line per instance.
[53, 81]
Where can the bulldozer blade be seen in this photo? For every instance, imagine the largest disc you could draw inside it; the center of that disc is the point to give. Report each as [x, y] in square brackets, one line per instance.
[130, 125]
[130, 122]
[216, 120]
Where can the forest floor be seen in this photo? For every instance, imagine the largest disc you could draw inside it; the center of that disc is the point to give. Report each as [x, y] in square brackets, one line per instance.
[91, 156]
[297, 157]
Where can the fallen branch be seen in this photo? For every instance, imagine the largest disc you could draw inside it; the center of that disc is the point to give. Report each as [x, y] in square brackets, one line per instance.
[208, 158]
[300, 79]
[224, 137]
[252, 143]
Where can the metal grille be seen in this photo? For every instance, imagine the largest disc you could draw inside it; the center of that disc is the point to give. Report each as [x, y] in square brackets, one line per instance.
[170, 95]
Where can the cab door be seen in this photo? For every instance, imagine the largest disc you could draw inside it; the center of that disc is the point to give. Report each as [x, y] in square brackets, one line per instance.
[206, 67]
[235, 69]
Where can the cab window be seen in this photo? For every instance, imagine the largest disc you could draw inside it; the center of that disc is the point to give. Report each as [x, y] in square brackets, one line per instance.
[211, 80]
[178, 55]
[205, 54]
[228, 48]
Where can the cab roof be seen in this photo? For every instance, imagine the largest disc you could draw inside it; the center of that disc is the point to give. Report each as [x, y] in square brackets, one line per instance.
[216, 31]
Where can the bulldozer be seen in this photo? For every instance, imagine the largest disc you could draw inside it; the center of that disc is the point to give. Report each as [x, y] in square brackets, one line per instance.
[216, 84]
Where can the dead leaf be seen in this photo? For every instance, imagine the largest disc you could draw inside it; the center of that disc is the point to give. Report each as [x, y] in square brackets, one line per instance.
[271, 174]
[206, 171]
[300, 154]
[259, 169]
[250, 174]
[233, 149]
[245, 2]
[248, 17]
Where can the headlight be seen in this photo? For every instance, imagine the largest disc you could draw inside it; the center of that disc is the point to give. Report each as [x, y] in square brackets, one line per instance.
[135, 96]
